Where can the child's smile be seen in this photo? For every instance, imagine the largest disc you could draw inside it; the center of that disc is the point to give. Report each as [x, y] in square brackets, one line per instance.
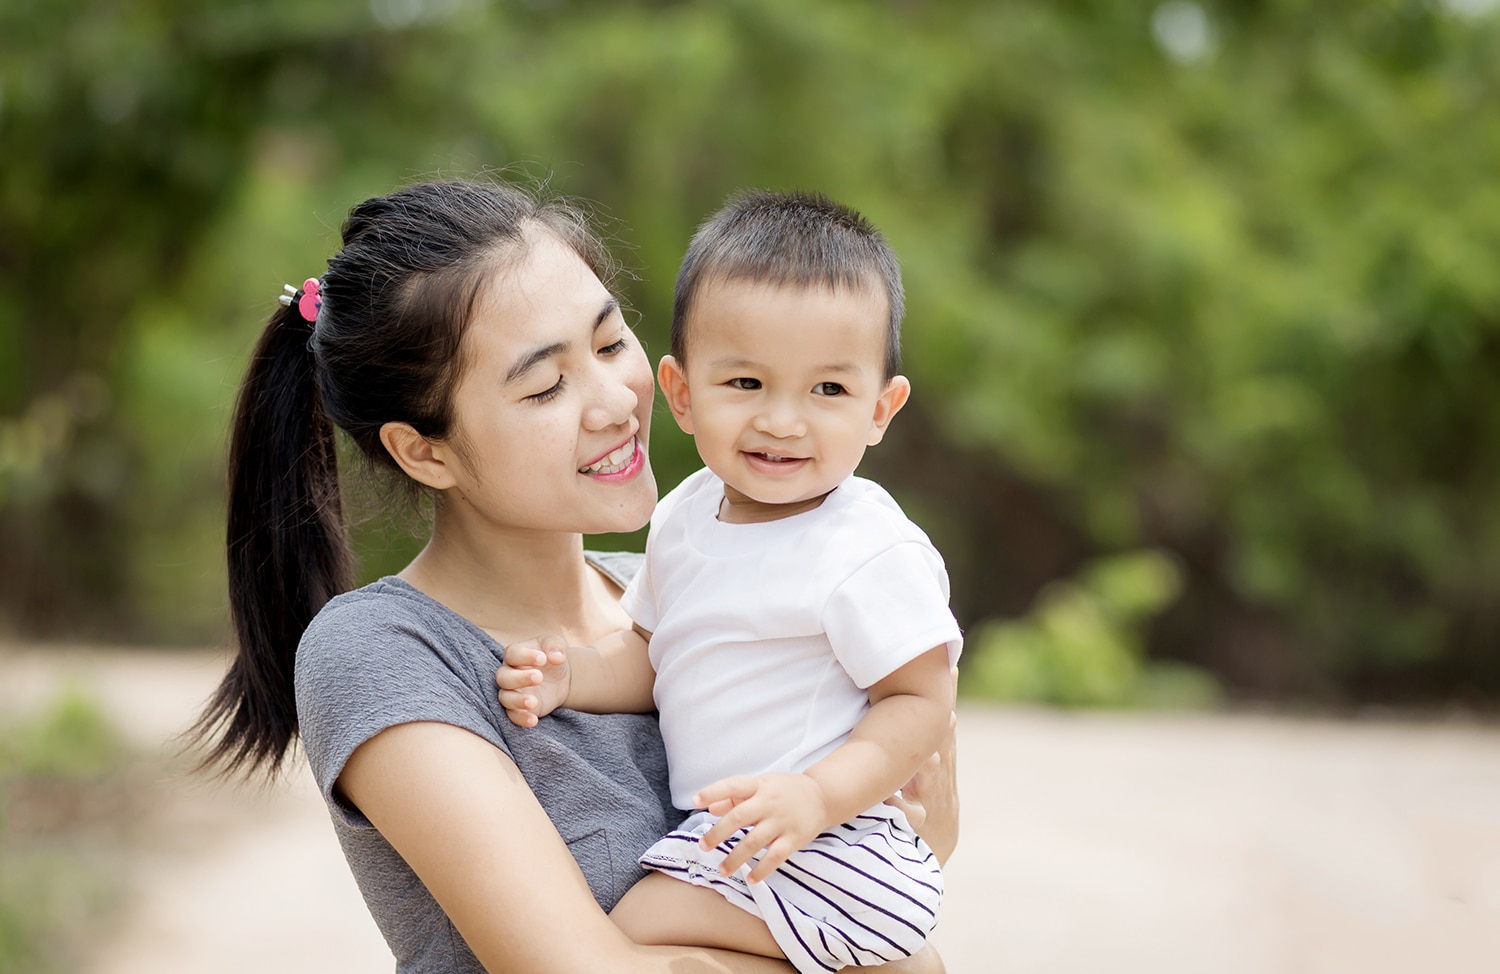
[783, 391]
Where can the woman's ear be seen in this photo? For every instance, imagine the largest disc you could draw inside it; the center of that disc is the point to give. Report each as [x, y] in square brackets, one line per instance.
[897, 391]
[672, 378]
[425, 461]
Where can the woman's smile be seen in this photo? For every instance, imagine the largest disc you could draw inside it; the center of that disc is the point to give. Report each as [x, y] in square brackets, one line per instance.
[621, 463]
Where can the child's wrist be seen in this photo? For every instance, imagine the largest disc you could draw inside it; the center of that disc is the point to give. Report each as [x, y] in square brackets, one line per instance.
[827, 816]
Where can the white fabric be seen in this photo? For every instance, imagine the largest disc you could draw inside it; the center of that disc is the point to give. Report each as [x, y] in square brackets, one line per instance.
[765, 636]
[864, 892]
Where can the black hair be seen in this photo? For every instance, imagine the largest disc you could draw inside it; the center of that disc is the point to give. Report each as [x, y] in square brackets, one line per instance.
[386, 347]
[796, 238]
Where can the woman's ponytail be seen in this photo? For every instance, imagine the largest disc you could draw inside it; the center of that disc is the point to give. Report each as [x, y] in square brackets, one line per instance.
[287, 547]
[395, 300]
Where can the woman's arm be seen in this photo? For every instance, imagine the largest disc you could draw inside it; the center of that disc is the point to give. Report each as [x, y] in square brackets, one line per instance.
[930, 798]
[458, 811]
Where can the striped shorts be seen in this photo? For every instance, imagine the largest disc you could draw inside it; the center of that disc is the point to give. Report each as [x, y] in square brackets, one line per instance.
[865, 892]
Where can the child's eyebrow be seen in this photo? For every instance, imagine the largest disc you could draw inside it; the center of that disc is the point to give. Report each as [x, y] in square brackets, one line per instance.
[841, 368]
[537, 356]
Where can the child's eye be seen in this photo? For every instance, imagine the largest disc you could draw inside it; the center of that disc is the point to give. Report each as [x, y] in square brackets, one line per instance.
[547, 394]
[828, 389]
[743, 383]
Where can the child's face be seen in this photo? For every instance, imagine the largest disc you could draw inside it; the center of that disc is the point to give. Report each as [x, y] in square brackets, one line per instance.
[783, 390]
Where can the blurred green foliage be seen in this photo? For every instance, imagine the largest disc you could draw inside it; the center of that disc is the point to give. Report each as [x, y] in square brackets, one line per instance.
[71, 739]
[55, 884]
[1082, 645]
[1214, 279]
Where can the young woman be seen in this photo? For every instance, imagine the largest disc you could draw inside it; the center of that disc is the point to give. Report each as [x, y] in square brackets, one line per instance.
[464, 338]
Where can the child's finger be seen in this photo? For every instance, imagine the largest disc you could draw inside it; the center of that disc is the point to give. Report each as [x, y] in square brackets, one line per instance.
[527, 652]
[517, 678]
[744, 850]
[776, 853]
[518, 700]
[519, 709]
[734, 789]
[741, 816]
[553, 647]
[721, 831]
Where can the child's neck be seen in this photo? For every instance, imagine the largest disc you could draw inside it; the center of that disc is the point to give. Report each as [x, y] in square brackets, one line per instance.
[738, 508]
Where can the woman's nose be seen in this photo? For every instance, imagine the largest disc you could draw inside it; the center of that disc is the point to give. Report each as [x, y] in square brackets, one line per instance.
[611, 404]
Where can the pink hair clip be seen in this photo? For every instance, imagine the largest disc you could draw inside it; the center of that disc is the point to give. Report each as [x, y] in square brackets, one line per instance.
[308, 300]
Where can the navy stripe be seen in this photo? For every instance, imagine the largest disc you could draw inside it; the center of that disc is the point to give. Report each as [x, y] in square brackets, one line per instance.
[879, 882]
[908, 876]
[807, 951]
[888, 836]
[900, 951]
[840, 932]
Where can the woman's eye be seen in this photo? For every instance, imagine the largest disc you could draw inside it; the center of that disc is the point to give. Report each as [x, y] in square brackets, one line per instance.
[616, 347]
[743, 383]
[828, 389]
[547, 394]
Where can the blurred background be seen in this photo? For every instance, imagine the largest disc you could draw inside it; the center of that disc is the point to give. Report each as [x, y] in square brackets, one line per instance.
[1204, 311]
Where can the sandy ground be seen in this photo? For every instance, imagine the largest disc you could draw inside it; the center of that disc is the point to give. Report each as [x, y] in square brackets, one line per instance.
[1201, 845]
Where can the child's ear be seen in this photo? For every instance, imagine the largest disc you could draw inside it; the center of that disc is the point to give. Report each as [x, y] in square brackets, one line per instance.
[425, 461]
[672, 378]
[897, 391]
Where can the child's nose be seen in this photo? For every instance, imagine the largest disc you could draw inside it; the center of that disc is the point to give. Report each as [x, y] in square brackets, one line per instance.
[781, 419]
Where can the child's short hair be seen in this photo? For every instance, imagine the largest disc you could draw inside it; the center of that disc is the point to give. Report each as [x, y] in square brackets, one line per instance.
[794, 238]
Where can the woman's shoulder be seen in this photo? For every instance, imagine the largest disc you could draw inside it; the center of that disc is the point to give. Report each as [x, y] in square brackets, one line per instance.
[388, 604]
[618, 566]
[382, 655]
[387, 625]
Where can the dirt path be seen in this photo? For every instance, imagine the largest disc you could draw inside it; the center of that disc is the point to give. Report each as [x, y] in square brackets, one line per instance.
[1227, 845]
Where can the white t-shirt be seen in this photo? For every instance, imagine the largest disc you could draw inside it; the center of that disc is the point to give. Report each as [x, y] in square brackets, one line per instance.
[765, 636]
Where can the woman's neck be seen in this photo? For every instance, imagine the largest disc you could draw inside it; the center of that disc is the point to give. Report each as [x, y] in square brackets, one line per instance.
[517, 586]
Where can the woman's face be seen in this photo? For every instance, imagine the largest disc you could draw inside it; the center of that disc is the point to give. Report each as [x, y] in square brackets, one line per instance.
[553, 410]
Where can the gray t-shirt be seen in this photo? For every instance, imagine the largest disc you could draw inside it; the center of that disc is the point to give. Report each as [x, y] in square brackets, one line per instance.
[386, 654]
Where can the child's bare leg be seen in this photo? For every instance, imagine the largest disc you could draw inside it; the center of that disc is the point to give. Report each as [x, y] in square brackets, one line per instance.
[662, 910]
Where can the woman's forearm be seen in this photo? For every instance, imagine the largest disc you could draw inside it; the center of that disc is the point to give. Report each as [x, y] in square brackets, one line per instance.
[460, 814]
[934, 790]
[706, 960]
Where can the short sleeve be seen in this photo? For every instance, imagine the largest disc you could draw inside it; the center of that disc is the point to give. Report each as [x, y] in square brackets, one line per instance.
[889, 611]
[362, 668]
[639, 600]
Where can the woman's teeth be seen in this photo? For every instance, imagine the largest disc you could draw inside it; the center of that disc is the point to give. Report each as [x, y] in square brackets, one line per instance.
[615, 461]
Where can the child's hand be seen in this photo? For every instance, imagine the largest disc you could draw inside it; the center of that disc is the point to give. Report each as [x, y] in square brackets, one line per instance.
[534, 680]
[784, 813]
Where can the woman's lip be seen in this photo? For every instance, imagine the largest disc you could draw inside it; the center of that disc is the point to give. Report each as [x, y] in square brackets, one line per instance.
[634, 467]
[609, 451]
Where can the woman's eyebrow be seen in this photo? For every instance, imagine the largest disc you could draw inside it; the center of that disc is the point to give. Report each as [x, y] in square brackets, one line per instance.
[537, 356]
[610, 307]
[534, 358]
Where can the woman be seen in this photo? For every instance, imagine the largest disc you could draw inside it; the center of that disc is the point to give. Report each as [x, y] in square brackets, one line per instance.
[464, 338]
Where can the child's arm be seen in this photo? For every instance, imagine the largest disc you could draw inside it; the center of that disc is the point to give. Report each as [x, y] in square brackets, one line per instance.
[610, 677]
[908, 718]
